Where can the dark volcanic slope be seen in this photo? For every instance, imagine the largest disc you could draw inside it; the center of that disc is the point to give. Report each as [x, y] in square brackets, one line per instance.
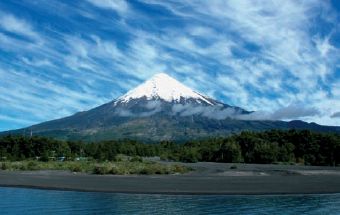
[105, 122]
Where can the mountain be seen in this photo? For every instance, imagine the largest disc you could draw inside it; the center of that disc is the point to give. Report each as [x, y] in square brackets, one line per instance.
[163, 87]
[160, 109]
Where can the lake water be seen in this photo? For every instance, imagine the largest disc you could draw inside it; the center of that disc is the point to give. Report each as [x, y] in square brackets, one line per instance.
[32, 201]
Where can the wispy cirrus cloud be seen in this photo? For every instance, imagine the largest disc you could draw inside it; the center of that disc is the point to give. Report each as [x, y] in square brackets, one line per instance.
[276, 51]
[37, 62]
[12, 24]
[260, 55]
[120, 6]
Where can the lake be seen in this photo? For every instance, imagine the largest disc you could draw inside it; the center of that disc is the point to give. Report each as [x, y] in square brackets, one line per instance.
[34, 201]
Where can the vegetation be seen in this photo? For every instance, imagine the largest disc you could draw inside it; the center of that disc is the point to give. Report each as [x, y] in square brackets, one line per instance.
[284, 146]
[102, 168]
[275, 146]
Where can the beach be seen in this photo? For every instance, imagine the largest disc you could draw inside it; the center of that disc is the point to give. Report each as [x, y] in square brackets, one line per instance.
[207, 178]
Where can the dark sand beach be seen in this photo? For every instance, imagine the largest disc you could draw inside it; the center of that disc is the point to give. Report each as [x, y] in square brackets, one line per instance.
[208, 178]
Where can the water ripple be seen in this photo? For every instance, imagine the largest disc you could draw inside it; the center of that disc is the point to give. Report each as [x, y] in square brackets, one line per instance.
[31, 201]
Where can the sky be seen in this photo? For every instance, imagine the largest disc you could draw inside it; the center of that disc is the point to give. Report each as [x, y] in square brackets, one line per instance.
[61, 57]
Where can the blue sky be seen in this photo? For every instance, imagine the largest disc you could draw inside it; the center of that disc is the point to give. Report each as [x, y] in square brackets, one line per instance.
[61, 57]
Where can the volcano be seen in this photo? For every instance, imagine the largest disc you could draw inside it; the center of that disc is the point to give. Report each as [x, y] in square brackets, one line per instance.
[159, 109]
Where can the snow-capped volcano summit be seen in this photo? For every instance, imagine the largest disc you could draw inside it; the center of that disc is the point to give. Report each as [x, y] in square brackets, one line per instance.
[162, 86]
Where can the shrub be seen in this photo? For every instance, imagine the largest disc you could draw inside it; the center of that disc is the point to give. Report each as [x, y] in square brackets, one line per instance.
[136, 159]
[233, 167]
[4, 166]
[114, 170]
[102, 169]
[179, 169]
[146, 171]
[22, 166]
[120, 157]
[76, 167]
[44, 158]
[31, 165]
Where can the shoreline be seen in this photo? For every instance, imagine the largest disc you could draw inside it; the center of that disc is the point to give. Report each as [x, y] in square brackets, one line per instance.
[169, 193]
[207, 179]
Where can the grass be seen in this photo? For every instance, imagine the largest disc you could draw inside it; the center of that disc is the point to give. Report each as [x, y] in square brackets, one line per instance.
[101, 168]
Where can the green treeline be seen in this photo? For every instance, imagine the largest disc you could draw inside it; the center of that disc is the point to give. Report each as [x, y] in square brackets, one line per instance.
[292, 146]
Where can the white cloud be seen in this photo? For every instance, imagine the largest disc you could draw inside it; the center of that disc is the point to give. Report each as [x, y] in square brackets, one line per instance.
[16, 120]
[16, 25]
[336, 115]
[294, 112]
[290, 59]
[257, 54]
[324, 46]
[289, 112]
[39, 98]
[37, 62]
[150, 108]
[121, 6]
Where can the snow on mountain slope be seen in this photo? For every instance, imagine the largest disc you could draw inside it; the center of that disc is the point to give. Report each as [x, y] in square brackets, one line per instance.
[162, 86]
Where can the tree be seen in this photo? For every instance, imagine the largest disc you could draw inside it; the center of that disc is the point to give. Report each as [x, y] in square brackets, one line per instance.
[265, 152]
[286, 152]
[190, 155]
[230, 152]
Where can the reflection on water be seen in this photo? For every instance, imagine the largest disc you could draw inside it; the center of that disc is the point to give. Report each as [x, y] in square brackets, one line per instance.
[30, 201]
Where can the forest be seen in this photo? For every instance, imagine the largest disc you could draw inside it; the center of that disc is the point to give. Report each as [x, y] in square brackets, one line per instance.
[274, 146]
